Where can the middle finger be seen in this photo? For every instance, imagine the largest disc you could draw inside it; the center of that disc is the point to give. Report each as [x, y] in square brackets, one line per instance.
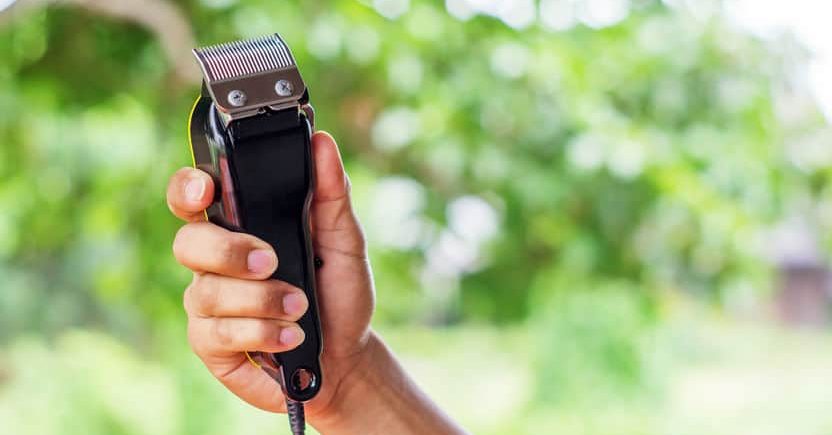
[220, 296]
[205, 247]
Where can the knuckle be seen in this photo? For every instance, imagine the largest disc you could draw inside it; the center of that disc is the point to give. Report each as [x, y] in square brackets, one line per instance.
[269, 299]
[226, 251]
[180, 243]
[222, 332]
[263, 332]
[187, 298]
[195, 337]
[207, 295]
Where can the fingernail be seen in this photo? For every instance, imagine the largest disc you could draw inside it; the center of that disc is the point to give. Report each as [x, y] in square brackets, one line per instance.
[261, 260]
[291, 336]
[194, 189]
[294, 303]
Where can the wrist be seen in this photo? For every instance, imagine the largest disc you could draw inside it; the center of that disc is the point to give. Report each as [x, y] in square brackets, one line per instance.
[343, 406]
[378, 397]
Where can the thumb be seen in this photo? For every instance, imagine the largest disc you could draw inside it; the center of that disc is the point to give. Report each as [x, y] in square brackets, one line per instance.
[334, 224]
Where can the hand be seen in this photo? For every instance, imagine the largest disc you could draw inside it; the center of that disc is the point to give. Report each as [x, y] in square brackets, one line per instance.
[233, 308]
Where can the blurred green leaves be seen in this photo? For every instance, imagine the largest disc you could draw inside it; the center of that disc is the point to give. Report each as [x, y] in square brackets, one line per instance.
[557, 176]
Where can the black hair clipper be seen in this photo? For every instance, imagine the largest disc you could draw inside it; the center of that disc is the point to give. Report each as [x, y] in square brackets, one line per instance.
[251, 130]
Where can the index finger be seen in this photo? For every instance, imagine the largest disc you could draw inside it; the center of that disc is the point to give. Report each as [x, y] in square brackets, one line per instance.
[190, 192]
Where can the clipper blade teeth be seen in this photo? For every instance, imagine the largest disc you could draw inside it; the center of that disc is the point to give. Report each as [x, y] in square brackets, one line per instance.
[244, 77]
[241, 58]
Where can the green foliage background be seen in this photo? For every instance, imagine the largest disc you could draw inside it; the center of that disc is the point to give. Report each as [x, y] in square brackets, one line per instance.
[626, 166]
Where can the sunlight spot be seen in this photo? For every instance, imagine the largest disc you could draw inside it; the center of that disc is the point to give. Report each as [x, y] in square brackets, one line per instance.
[510, 60]
[603, 13]
[391, 9]
[558, 15]
[473, 218]
[396, 128]
[6, 3]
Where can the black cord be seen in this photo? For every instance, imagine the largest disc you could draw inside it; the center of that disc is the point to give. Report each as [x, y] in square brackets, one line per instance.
[297, 420]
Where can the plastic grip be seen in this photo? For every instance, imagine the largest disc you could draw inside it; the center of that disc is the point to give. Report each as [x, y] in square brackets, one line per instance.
[265, 174]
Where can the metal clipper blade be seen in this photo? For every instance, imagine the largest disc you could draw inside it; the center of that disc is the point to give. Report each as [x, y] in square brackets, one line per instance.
[246, 76]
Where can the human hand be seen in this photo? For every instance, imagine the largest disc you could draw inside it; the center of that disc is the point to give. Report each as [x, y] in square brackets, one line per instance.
[233, 307]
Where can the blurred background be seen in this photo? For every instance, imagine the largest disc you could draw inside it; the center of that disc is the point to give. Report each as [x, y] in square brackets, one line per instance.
[585, 216]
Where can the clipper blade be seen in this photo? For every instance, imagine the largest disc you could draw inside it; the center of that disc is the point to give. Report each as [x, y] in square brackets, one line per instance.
[243, 77]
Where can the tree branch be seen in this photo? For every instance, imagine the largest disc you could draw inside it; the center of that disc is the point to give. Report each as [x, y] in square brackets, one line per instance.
[165, 20]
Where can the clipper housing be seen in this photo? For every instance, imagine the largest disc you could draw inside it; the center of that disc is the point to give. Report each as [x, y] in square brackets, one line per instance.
[251, 131]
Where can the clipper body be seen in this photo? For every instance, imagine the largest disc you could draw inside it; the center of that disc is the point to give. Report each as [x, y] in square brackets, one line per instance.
[258, 151]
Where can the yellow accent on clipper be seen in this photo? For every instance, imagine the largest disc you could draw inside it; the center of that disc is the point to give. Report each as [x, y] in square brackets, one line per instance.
[252, 361]
[191, 146]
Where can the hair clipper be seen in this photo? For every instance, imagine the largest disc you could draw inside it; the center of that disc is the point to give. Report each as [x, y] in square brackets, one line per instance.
[251, 131]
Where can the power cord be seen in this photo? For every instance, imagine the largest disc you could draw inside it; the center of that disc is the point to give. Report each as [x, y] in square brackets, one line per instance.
[297, 419]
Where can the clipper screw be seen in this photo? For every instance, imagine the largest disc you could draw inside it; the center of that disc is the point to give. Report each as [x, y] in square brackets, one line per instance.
[284, 88]
[237, 98]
